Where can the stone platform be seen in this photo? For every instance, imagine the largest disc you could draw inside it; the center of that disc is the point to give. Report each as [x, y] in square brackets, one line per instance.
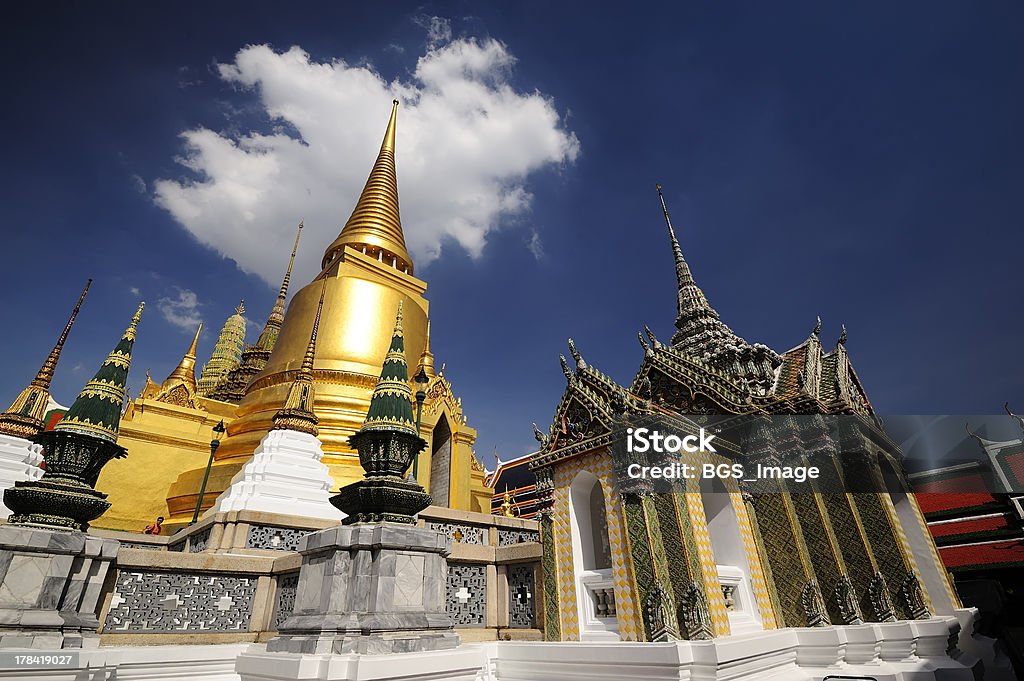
[370, 589]
[50, 585]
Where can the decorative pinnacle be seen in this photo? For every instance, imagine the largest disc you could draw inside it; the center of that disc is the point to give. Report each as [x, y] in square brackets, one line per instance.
[307, 360]
[1020, 419]
[577, 357]
[185, 372]
[842, 336]
[241, 307]
[268, 337]
[569, 375]
[297, 413]
[650, 334]
[375, 226]
[129, 333]
[817, 327]
[97, 410]
[426, 363]
[643, 342]
[291, 261]
[391, 402]
[45, 375]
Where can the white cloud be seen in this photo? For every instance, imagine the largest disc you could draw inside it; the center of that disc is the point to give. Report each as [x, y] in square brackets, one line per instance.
[139, 184]
[134, 290]
[467, 142]
[535, 246]
[439, 30]
[182, 311]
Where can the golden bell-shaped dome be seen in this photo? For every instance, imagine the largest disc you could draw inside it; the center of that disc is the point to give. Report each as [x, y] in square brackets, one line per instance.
[367, 274]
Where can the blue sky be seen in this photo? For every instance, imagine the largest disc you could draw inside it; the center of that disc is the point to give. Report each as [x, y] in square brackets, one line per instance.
[860, 162]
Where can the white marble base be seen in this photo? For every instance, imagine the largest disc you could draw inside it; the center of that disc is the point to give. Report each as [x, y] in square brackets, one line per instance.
[285, 476]
[19, 460]
[778, 655]
[122, 663]
[989, 651]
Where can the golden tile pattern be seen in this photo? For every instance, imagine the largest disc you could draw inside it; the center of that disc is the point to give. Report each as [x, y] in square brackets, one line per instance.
[712, 587]
[758, 580]
[600, 464]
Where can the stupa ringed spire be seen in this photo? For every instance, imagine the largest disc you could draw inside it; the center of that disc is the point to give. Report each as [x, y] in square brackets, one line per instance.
[375, 226]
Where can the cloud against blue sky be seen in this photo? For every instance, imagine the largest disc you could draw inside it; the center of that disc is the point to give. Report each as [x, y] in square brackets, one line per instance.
[855, 161]
[467, 142]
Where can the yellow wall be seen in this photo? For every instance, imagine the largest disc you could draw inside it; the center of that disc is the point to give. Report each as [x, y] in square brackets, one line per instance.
[163, 440]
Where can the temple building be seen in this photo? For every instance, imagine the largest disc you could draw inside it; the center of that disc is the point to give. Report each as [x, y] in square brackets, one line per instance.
[344, 529]
[367, 271]
[706, 557]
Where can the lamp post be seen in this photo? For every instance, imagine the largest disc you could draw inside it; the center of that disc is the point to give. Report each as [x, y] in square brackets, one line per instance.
[214, 443]
[421, 394]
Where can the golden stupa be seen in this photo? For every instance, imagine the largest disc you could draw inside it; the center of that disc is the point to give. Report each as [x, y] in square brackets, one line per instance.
[367, 272]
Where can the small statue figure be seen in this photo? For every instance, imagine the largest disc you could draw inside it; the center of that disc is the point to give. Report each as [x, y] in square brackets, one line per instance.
[509, 508]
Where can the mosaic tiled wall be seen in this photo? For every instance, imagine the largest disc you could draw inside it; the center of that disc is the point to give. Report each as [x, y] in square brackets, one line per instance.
[460, 533]
[145, 601]
[758, 579]
[521, 596]
[274, 538]
[466, 594]
[510, 537]
[284, 602]
[598, 463]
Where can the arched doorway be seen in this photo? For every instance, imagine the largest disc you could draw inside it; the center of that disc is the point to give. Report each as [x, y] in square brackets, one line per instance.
[730, 557]
[441, 462]
[592, 560]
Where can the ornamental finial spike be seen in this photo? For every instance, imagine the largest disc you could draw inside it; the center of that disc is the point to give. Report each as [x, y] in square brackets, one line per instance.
[1020, 419]
[842, 336]
[130, 331]
[817, 327]
[375, 226]
[297, 413]
[577, 357]
[24, 418]
[241, 307]
[565, 368]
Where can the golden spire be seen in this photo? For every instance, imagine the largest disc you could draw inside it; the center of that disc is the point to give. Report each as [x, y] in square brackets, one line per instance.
[297, 412]
[427, 358]
[25, 416]
[185, 372]
[275, 319]
[375, 226]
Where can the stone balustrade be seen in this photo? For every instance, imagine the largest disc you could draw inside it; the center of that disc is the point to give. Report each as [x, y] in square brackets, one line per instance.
[233, 578]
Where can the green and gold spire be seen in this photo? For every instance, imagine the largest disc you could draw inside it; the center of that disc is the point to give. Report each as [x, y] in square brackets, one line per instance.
[700, 334]
[391, 403]
[375, 226]
[97, 411]
[227, 352]
[297, 413]
[24, 418]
